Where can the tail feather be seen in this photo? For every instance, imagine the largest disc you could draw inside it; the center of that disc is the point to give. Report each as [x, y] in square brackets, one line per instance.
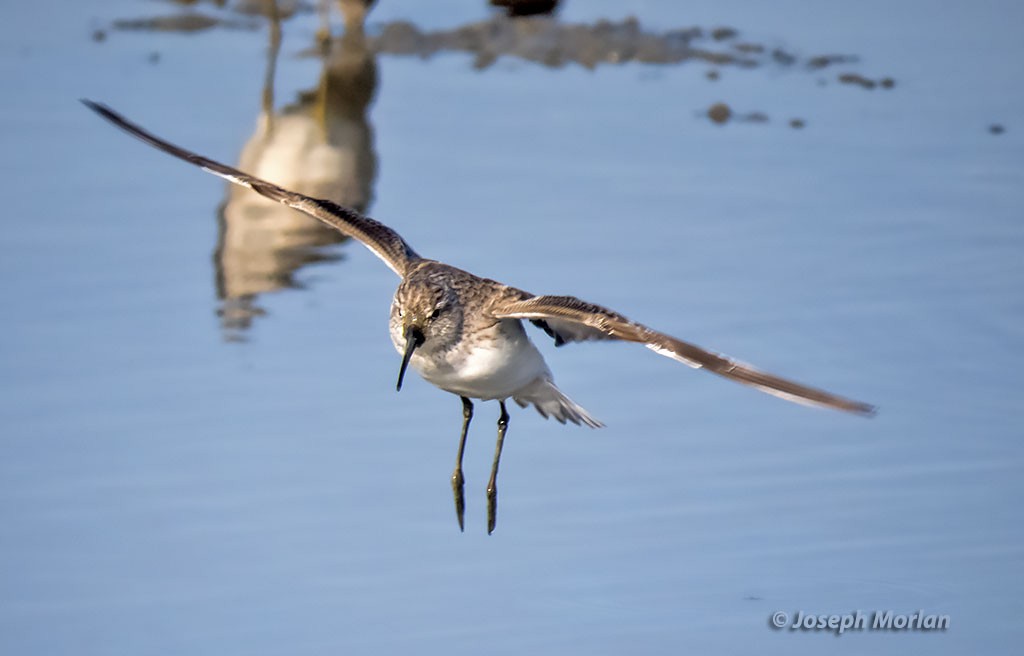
[550, 401]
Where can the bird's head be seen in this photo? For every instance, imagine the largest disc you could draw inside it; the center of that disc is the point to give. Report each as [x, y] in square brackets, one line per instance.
[427, 316]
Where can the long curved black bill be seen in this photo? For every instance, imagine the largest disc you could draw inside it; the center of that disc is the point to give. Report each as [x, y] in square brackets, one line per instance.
[413, 338]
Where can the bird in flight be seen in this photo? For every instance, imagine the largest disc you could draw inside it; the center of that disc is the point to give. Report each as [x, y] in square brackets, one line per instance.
[465, 334]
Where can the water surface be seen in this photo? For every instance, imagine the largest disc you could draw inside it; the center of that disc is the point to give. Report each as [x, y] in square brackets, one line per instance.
[201, 449]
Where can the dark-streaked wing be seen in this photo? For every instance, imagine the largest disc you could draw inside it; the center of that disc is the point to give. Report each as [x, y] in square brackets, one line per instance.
[568, 319]
[382, 240]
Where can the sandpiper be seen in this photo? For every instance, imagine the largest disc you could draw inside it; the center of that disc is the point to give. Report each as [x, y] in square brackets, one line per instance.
[465, 334]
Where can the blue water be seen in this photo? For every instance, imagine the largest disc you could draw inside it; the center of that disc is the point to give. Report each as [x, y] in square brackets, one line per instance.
[172, 484]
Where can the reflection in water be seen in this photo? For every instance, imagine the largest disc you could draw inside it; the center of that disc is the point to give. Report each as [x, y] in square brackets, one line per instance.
[538, 38]
[322, 146]
[550, 42]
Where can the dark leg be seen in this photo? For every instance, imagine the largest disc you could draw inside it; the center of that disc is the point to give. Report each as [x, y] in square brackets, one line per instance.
[492, 486]
[457, 480]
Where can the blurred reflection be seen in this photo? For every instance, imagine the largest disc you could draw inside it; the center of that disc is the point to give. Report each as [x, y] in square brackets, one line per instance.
[548, 41]
[321, 145]
[517, 32]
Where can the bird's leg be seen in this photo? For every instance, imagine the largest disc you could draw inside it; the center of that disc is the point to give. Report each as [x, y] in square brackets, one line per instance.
[492, 485]
[457, 480]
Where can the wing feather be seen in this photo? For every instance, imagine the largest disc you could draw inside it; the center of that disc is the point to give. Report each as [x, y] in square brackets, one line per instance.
[384, 242]
[570, 319]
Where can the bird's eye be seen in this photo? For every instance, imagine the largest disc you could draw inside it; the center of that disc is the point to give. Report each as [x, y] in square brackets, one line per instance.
[436, 313]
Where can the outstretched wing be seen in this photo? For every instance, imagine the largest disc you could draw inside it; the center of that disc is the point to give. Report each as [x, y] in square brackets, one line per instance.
[382, 240]
[568, 319]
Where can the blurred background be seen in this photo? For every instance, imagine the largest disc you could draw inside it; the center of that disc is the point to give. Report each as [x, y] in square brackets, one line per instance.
[201, 448]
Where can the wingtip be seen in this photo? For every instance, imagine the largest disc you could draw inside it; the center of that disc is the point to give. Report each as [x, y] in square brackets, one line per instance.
[99, 108]
[867, 410]
[858, 408]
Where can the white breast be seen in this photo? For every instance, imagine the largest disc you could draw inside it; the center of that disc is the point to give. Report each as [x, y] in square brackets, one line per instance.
[494, 364]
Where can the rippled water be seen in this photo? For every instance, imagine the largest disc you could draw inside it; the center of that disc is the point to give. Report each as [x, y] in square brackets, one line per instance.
[201, 449]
